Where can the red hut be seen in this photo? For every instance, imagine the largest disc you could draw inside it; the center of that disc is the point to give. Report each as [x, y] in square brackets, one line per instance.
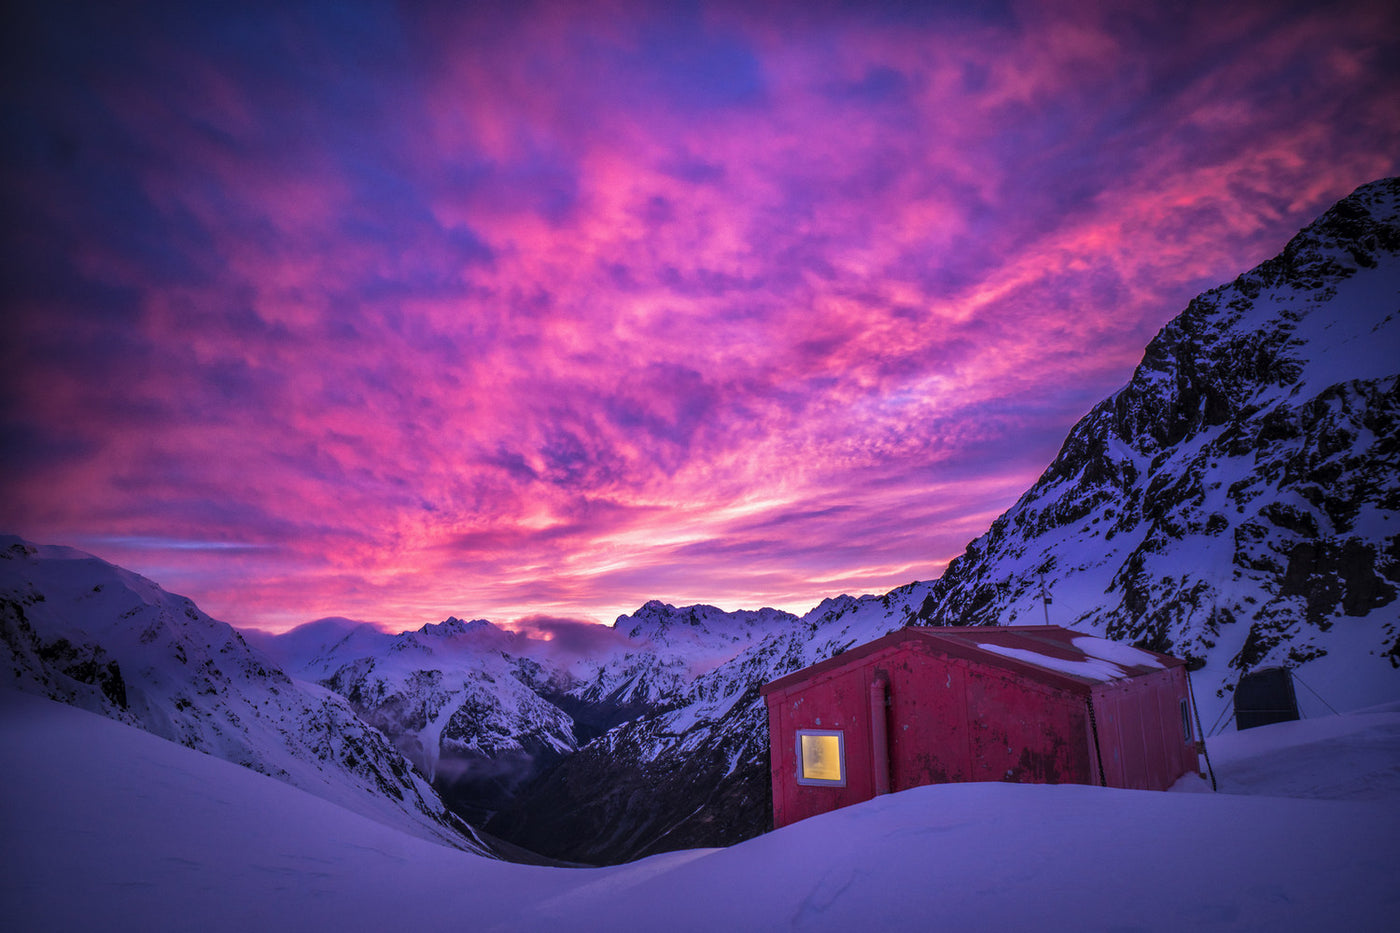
[1035, 704]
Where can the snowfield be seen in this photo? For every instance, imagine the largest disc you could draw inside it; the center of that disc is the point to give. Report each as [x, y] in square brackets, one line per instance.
[108, 827]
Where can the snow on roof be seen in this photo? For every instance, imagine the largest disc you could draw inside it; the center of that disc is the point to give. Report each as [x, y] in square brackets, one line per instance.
[1115, 651]
[1090, 668]
[1086, 658]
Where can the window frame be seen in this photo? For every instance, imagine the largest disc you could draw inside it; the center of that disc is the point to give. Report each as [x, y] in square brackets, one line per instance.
[840, 736]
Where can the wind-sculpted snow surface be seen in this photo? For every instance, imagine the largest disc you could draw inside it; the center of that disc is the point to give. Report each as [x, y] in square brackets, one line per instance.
[1308, 838]
[82, 631]
[1238, 502]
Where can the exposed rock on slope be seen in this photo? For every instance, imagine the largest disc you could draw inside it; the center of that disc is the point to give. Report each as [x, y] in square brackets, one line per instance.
[469, 716]
[1238, 502]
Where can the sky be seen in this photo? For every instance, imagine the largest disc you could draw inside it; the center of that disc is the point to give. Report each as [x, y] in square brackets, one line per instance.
[531, 310]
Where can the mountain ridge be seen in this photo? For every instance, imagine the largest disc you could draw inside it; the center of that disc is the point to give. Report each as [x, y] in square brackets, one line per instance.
[1309, 419]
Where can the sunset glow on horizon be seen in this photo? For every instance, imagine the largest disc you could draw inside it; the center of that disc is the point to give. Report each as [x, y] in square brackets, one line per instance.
[396, 312]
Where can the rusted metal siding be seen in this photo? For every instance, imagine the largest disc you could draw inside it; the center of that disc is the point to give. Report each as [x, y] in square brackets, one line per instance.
[954, 720]
[928, 722]
[1023, 733]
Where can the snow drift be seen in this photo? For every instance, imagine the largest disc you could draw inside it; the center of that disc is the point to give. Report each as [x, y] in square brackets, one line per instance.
[109, 827]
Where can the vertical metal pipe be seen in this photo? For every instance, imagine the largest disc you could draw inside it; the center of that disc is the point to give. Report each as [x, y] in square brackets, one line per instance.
[879, 731]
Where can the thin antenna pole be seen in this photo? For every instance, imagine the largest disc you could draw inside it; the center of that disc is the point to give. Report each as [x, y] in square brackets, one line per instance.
[1044, 600]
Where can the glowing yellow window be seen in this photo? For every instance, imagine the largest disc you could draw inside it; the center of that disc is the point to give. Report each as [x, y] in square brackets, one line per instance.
[821, 757]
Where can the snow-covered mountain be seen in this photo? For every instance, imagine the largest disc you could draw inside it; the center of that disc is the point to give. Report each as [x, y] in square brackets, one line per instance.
[80, 630]
[472, 717]
[480, 710]
[1238, 502]
[654, 741]
[676, 646]
[695, 771]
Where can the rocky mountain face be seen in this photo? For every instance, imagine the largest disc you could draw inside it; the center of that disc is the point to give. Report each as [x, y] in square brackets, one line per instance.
[1238, 502]
[79, 630]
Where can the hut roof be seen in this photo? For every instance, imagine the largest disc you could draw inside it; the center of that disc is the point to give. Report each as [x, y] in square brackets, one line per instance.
[1049, 654]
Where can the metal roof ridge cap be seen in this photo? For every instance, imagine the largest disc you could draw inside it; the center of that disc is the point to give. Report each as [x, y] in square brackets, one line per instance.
[889, 639]
[837, 670]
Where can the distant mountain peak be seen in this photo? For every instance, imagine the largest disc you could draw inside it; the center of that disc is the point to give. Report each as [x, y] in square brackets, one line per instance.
[453, 626]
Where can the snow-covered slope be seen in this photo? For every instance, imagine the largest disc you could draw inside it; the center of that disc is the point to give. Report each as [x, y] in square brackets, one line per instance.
[1238, 502]
[674, 647]
[77, 629]
[107, 827]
